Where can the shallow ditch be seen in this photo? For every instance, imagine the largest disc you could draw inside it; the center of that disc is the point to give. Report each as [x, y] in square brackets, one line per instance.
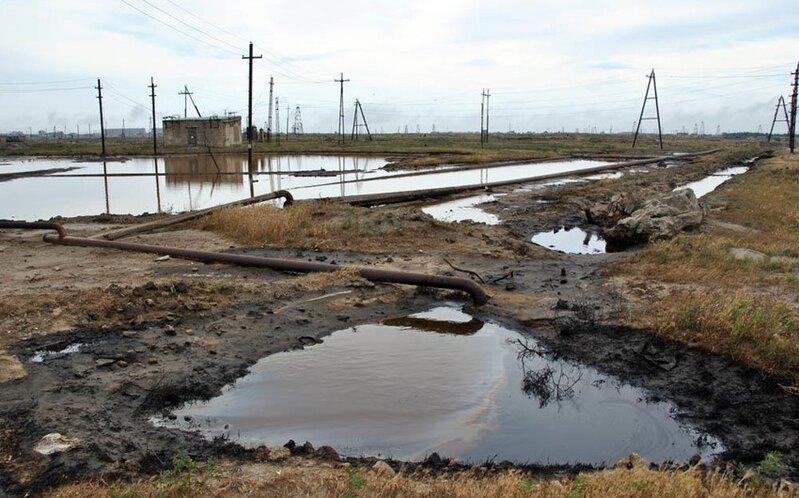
[710, 183]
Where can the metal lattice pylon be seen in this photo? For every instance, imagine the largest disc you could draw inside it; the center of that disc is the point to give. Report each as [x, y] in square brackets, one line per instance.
[297, 128]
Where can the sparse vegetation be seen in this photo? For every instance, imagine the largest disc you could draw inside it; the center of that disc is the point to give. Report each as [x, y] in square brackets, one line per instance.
[423, 149]
[336, 225]
[302, 480]
[745, 307]
[753, 329]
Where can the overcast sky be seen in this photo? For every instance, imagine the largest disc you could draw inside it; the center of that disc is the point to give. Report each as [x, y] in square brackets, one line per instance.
[550, 65]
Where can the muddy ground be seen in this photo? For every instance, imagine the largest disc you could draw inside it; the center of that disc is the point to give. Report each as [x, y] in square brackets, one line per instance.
[157, 333]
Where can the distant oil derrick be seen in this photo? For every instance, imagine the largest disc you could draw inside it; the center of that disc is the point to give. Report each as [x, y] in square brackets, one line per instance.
[297, 128]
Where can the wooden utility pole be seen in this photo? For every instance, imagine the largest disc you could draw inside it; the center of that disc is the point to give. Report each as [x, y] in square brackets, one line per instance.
[651, 83]
[277, 120]
[780, 103]
[102, 125]
[152, 96]
[186, 93]
[482, 116]
[269, 119]
[341, 108]
[792, 127]
[249, 113]
[488, 111]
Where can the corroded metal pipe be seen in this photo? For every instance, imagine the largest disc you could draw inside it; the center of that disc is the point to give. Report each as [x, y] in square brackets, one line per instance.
[34, 225]
[373, 274]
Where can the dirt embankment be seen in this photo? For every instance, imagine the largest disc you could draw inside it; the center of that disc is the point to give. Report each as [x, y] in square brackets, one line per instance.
[150, 334]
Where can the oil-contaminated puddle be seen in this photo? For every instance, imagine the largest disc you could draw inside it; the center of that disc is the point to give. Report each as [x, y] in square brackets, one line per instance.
[464, 210]
[47, 354]
[443, 381]
[571, 240]
[710, 183]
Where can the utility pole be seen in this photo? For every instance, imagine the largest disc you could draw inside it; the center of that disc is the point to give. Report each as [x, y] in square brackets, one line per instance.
[482, 117]
[277, 120]
[155, 147]
[651, 83]
[269, 119]
[288, 111]
[792, 128]
[152, 96]
[341, 108]
[780, 103]
[249, 111]
[355, 122]
[488, 111]
[186, 93]
[100, 99]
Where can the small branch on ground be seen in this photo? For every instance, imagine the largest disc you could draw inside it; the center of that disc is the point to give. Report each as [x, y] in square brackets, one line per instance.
[463, 270]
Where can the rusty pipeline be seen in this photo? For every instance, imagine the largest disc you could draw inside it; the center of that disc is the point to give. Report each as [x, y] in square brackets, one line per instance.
[373, 274]
[34, 225]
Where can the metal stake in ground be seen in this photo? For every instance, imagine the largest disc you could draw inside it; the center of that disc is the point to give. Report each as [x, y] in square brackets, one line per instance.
[249, 117]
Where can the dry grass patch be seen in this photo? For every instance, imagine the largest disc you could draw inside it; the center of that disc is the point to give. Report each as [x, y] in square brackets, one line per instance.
[339, 226]
[753, 329]
[751, 312]
[708, 259]
[190, 479]
[767, 198]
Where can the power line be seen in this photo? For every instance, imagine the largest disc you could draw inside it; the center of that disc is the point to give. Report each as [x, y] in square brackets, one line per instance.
[181, 21]
[268, 55]
[176, 29]
[53, 82]
[45, 90]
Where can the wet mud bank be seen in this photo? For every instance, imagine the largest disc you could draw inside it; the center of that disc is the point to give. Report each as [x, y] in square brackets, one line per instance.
[748, 411]
[102, 386]
[541, 207]
[105, 390]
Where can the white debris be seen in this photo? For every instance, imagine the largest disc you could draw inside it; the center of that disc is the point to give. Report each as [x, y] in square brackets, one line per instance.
[55, 443]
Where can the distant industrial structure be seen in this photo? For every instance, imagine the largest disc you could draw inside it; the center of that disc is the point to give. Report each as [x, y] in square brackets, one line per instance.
[213, 131]
[126, 132]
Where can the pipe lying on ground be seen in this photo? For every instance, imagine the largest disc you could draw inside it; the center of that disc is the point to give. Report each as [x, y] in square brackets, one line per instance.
[373, 274]
[191, 215]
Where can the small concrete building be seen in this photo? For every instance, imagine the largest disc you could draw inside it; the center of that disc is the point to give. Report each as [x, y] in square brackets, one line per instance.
[213, 131]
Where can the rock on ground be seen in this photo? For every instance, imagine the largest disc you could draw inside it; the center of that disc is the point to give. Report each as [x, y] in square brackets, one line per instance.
[606, 214]
[660, 218]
